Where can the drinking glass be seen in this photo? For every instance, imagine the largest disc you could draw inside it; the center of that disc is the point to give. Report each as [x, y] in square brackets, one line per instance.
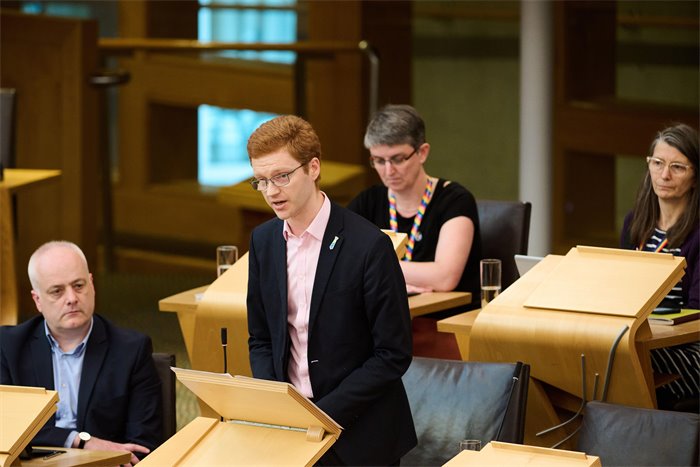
[490, 280]
[226, 255]
[470, 445]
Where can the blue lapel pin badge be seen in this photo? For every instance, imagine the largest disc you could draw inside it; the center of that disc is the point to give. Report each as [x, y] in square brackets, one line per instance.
[335, 240]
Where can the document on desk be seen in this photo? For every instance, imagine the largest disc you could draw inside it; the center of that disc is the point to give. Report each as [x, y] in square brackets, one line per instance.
[669, 319]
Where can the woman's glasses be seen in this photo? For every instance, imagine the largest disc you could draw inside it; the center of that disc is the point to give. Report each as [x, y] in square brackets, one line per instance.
[657, 165]
[395, 161]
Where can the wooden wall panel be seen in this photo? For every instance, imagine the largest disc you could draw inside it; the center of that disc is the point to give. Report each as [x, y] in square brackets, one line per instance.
[48, 60]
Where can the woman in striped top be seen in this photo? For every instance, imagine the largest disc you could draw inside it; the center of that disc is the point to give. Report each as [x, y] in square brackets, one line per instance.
[665, 219]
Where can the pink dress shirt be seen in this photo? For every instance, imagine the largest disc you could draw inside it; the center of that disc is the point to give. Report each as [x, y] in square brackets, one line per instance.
[302, 258]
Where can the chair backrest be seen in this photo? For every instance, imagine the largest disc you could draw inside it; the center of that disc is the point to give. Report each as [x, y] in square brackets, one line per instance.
[622, 435]
[505, 231]
[452, 400]
[163, 362]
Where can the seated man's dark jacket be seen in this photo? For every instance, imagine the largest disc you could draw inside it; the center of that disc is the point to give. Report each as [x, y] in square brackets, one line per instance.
[119, 398]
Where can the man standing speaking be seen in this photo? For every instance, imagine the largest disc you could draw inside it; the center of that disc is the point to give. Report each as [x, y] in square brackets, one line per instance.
[327, 304]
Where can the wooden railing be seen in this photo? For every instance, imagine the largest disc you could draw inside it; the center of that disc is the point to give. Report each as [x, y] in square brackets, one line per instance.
[128, 46]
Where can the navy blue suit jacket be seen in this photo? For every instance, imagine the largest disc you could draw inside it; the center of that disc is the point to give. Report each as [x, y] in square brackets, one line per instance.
[359, 333]
[119, 398]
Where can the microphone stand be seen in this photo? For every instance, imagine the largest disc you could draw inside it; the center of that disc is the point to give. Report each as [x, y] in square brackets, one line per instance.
[224, 344]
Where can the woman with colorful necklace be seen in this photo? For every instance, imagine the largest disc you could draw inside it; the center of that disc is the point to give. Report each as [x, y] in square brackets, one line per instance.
[439, 216]
[665, 219]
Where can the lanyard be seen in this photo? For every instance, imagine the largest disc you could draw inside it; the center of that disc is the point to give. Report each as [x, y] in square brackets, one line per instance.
[658, 248]
[427, 196]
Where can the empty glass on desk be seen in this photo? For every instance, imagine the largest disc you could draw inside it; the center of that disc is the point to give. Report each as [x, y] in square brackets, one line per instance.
[490, 280]
[226, 256]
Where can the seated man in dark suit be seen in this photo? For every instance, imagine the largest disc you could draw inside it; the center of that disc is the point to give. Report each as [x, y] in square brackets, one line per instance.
[108, 388]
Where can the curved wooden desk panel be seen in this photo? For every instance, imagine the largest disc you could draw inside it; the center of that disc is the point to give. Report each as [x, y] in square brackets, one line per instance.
[552, 341]
[223, 305]
[560, 339]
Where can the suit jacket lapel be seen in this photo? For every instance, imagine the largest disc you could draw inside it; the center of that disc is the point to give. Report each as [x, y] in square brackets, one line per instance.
[326, 260]
[95, 354]
[41, 356]
[279, 258]
[279, 252]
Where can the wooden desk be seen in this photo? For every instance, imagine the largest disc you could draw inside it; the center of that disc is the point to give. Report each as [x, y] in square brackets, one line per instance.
[79, 458]
[185, 305]
[552, 342]
[15, 181]
[505, 454]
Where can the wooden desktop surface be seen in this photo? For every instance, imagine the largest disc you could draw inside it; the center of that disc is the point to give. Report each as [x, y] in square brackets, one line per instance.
[421, 304]
[14, 181]
[185, 305]
[79, 458]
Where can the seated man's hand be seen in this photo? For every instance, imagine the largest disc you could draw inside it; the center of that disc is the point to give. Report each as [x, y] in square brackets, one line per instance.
[97, 444]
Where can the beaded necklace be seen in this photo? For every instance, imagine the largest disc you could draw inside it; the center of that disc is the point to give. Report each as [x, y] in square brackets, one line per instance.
[393, 223]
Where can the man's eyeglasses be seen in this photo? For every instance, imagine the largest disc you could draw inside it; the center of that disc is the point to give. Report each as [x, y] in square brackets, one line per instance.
[395, 161]
[657, 165]
[261, 184]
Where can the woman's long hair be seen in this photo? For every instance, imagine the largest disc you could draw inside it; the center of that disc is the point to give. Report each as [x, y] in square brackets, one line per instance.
[646, 208]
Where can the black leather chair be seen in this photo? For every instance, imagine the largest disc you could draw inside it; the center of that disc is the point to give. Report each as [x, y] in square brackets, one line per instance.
[163, 362]
[622, 435]
[452, 400]
[505, 231]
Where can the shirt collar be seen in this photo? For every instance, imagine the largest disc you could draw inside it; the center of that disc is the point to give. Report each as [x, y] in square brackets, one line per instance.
[54, 345]
[318, 226]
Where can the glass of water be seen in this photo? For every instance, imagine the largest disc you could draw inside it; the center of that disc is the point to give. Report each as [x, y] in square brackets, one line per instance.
[226, 256]
[490, 280]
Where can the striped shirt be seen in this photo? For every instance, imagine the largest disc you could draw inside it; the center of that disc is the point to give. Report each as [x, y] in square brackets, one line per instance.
[683, 359]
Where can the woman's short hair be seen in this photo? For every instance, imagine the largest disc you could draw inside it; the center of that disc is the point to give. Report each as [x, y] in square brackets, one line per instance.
[395, 124]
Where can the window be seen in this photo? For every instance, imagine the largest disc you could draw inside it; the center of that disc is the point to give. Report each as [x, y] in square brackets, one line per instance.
[223, 133]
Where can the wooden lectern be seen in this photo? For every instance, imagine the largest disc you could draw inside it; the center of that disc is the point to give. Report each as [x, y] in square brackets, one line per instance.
[593, 302]
[23, 411]
[265, 423]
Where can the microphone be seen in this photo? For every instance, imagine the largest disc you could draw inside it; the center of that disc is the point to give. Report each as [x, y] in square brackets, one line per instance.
[224, 344]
